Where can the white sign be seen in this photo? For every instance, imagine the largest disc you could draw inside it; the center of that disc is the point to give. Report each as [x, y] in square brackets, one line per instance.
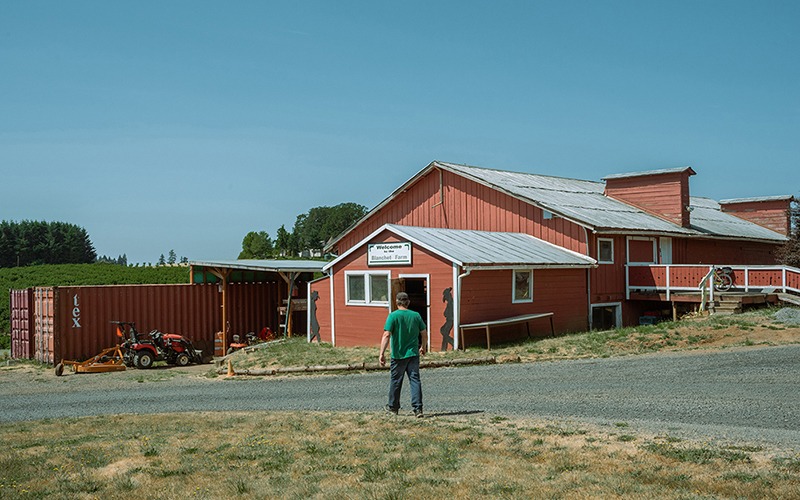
[389, 254]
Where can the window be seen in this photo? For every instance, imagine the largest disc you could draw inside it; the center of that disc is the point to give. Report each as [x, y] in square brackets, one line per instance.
[605, 251]
[367, 288]
[523, 286]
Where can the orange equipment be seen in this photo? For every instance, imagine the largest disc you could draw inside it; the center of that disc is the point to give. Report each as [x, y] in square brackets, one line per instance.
[109, 360]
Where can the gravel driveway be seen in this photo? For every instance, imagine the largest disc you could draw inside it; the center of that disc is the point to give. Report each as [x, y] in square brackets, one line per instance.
[738, 395]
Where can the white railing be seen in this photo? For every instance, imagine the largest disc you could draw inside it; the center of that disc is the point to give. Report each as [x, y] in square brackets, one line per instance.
[783, 278]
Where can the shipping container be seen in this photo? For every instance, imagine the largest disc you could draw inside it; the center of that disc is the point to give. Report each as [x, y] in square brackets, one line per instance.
[75, 322]
[21, 324]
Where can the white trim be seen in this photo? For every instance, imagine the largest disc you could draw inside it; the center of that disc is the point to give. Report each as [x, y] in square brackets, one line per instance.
[514, 300]
[367, 288]
[618, 316]
[427, 278]
[599, 240]
[661, 241]
[308, 312]
[456, 307]
[333, 309]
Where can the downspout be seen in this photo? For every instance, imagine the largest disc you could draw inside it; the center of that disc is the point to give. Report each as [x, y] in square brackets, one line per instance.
[457, 312]
[588, 281]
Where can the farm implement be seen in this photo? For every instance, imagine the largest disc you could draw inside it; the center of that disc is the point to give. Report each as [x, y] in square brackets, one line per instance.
[137, 350]
[109, 360]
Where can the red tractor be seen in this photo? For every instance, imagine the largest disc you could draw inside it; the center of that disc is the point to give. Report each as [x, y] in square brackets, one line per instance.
[142, 350]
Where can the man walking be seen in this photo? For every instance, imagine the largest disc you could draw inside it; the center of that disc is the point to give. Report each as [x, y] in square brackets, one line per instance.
[404, 329]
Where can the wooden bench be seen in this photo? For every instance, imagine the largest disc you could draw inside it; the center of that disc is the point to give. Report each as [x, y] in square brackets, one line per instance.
[487, 325]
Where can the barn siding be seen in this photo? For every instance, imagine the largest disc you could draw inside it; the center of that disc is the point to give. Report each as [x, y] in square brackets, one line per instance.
[358, 325]
[486, 296]
[663, 195]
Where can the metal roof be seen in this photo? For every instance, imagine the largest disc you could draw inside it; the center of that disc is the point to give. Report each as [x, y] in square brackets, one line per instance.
[275, 265]
[787, 197]
[483, 248]
[674, 170]
[584, 202]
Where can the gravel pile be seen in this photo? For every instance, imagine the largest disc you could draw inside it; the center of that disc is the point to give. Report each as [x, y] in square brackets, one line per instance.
[788, 316]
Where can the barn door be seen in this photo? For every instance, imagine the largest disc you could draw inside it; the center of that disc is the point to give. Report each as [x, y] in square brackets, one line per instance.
[398, 285]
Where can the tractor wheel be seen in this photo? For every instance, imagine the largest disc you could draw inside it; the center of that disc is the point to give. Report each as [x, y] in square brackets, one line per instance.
[59, 369]
[144, 360]
[182, 359]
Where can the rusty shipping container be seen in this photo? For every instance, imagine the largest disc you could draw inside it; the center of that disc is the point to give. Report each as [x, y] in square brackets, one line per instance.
[75, 322]
[21, 323]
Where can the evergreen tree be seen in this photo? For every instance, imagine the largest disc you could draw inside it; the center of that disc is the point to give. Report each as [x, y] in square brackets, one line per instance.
[161, 260]
[172, 257]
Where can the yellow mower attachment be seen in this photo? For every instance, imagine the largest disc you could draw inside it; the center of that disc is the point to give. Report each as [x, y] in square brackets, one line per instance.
[109, 360]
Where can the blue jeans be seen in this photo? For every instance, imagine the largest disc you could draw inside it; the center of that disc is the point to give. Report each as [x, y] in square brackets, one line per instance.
[398, 368]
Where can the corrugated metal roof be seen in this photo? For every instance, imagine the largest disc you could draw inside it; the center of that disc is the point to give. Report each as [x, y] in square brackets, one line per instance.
[275, 265]
[584, 202]
[757, 199]
[674, 170]
[485, 248]
[578, 200]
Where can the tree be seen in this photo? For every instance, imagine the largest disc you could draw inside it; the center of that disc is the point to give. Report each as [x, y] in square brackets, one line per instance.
[256, 245]
[161, 260]
[172, 257]
[38, 242]
[789, 254]
[283, 242]
[314, 228]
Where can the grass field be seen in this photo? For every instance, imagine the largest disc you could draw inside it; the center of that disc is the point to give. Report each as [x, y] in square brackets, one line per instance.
[753, 328]
[376, 456]
[356, 455]
[352, 455]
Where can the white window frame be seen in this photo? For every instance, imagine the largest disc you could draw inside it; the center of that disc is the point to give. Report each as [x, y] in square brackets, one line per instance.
[514, 299]
[610, 240]
[367, 288]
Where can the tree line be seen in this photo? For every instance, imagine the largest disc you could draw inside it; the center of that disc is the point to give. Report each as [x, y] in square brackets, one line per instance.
[28, 243]
[311, 231]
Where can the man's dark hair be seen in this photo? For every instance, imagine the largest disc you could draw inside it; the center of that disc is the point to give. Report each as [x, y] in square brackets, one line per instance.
[402, 299]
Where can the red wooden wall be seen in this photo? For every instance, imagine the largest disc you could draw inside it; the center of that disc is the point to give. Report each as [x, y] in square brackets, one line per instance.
[663, 195]
[486, 295]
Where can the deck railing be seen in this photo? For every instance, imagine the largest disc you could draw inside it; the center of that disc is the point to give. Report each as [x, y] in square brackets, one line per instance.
[672, 278]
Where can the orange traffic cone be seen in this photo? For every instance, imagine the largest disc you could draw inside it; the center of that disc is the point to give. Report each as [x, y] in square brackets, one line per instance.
[230, 369]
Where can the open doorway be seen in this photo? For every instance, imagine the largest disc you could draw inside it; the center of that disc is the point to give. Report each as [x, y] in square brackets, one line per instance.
[606, 316]
[416, 286]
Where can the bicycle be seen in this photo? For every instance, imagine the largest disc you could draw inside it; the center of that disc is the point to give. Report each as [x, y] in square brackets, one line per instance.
[723, 279]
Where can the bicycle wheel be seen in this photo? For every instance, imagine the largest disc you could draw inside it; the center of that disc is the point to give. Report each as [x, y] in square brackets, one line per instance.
[723, 283]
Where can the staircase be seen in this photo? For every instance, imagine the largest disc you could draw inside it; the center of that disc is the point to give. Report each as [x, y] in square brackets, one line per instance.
[728, 304]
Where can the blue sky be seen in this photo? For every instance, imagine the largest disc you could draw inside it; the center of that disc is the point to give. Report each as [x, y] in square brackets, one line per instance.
[186, 124]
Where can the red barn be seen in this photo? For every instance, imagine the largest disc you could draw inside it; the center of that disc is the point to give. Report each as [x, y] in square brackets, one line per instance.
[473, 245]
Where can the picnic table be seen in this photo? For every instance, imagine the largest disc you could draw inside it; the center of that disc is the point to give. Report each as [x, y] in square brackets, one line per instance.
[525, 318]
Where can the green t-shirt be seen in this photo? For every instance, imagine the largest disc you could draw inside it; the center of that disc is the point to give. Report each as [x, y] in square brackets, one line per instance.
[405, 326]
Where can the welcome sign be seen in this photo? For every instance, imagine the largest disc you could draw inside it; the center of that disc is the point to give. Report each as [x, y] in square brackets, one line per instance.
[389, 254]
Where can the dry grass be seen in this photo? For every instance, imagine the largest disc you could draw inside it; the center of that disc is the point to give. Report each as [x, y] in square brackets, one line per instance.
[752, 328]
[358, 455]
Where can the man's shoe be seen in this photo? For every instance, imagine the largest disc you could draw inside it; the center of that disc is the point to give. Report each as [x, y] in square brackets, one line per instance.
[418, 413]
[389, 409]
